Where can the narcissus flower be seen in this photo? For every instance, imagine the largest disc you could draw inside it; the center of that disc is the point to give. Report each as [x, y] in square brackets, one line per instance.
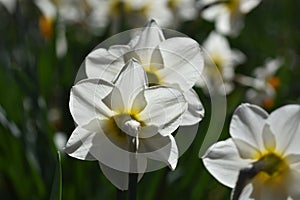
[264, 84]
[262, 159]
[228, 15]
[175, 62]
[220, 58]
[111, 117]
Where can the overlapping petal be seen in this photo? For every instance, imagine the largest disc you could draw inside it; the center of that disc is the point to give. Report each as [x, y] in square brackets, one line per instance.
[79, 144]
[104, 64]
[130, 82]
[284, 123]
[223, 161]
[86, 100]
[161, 148]
[247, 124]
[164, 106]
[183, 62]
[118, 178]
[195, 110]
[149, 37]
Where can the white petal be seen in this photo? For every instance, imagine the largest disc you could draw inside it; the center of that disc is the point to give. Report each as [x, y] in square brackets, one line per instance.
[164, 106]
[212, 13]
[86, 100]
[150, 36]
[195, 111]
[118, 50]
[230, 23]
[118, 178]
[293, 161]
[112, 149]
[161, 148]
[245, 150]
[247, 5]
[285, 124]
[247, 124]
[103, 64]
[183, 62]
[246, 193]
[79, 144]
[293, 182]
[130, 82]
[268, 138]
[223, 161]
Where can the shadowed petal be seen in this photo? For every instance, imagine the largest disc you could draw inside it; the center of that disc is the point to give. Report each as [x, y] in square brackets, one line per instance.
[79, 144]
[195, 111]
[118, 178]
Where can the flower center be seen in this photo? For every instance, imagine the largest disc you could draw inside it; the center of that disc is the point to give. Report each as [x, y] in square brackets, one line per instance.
[273, 81]
[272, 164]
[120, 129]
[153, 79]
[233, 5]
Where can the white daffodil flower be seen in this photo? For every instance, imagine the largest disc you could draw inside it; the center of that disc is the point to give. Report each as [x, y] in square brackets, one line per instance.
[182, 10]
[10, 5]
[228, 15]
[220, 58]
[262, 159]
[263, 84]
[111, 117]
[175, 62]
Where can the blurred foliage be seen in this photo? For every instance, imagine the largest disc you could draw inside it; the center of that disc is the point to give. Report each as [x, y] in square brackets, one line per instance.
[35, 86]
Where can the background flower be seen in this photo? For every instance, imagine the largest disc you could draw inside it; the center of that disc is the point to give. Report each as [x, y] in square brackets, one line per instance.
[220, 58]
[228, 15]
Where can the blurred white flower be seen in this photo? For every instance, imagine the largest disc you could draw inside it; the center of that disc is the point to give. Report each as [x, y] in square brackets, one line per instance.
[262, 159]
[228, 15]
[264, 84]
[220, 58]
[175, 62]
[10, 5]
[181, 10]
[60, 140]
[111, 116]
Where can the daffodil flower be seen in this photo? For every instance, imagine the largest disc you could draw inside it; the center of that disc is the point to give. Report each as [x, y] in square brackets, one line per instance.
[175, 62]
[228, 15]
[262, 159]
[220, 58]
[10, 5]
[264, 84]
[113, 116]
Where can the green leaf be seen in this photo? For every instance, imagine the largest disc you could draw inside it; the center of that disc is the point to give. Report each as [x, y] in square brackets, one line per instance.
[56, 191]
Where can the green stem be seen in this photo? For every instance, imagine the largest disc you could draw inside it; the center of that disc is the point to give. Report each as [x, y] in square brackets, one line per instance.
[133, 177]
[120, 195]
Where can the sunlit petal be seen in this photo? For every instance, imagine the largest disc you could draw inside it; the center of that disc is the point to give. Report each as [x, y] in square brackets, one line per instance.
[165, 105]
[223, 161]
[285, 125]
[86, 100]
[247, 124]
